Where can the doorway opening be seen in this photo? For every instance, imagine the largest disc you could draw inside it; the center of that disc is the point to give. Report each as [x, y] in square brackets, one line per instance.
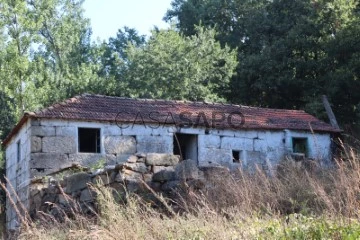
[186, 145]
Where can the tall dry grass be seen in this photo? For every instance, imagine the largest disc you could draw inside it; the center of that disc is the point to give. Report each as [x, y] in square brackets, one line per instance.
[298, 201]
[295, 188]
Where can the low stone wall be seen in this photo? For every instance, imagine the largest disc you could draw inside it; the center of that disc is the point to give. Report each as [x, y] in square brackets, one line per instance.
[161, 172]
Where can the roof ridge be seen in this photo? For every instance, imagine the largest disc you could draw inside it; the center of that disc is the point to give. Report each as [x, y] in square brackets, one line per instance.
[204, 103]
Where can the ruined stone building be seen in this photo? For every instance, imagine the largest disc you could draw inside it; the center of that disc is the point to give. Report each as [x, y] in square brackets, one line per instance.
[90, 128]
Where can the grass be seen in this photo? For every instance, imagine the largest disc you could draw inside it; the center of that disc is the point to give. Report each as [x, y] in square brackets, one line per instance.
[136, 222]
[298, 202]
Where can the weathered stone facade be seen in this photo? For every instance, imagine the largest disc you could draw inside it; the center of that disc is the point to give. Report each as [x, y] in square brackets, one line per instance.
[47, 146]
[17, 172]
[161, 172]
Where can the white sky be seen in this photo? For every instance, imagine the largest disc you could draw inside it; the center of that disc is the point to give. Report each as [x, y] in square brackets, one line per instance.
[107, 16]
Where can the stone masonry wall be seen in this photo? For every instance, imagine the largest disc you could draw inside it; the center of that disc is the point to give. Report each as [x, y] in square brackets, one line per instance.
[49, 145]
[162, 172]
[54, 144]
[262, 147]
[17, 171]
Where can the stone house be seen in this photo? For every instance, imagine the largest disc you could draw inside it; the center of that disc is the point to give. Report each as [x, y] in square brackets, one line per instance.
[90, 128]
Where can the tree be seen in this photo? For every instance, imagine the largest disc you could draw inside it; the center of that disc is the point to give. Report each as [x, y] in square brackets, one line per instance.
[15, 77]
[45, 56]
[283, 48]
[47, 52]
[232, 19]
[7, 107]
[114, 56]
[65, 52]
[343, 86]
[172, 66]
[287, 71]
[7, 121]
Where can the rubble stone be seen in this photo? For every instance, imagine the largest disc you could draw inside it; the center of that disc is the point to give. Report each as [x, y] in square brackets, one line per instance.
[77, 182]
[87, 195]
[133, 186]
[186, 169]
[170, 185]
[132, 159]
[156, 169]
[103, 179]
[119, 178]
[163, 176]
[141, 160]
[137, 167]
[123, 158]
[129, 174]
[86, 159]
[158, 159]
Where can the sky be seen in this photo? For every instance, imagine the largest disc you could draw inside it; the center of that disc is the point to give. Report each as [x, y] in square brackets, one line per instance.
[107, 16]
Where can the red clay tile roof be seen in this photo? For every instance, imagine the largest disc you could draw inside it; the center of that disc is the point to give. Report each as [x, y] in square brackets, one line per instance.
[144, 111]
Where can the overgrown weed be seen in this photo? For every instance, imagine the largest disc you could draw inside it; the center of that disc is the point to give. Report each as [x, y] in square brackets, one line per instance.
[297, 202]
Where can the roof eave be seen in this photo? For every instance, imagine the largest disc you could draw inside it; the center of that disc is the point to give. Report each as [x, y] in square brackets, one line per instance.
[29, 115]
[15, 130]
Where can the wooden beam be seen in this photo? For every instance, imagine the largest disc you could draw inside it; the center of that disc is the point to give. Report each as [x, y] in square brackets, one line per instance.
[329, 112]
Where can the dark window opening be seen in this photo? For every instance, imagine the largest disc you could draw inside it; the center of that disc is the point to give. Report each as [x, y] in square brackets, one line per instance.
[185, 145]
[89, 140]
[236, 156]
[18, 151]
[300, 145]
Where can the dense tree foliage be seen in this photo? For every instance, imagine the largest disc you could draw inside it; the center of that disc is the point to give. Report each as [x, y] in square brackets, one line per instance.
[46, 55]
[171, 66]
[273, 53]
[343, 74]
[114, 60]
[290, 52]
[46, 52]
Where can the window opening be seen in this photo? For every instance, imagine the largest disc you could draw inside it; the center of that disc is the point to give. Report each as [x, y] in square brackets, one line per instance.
[89, 140]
